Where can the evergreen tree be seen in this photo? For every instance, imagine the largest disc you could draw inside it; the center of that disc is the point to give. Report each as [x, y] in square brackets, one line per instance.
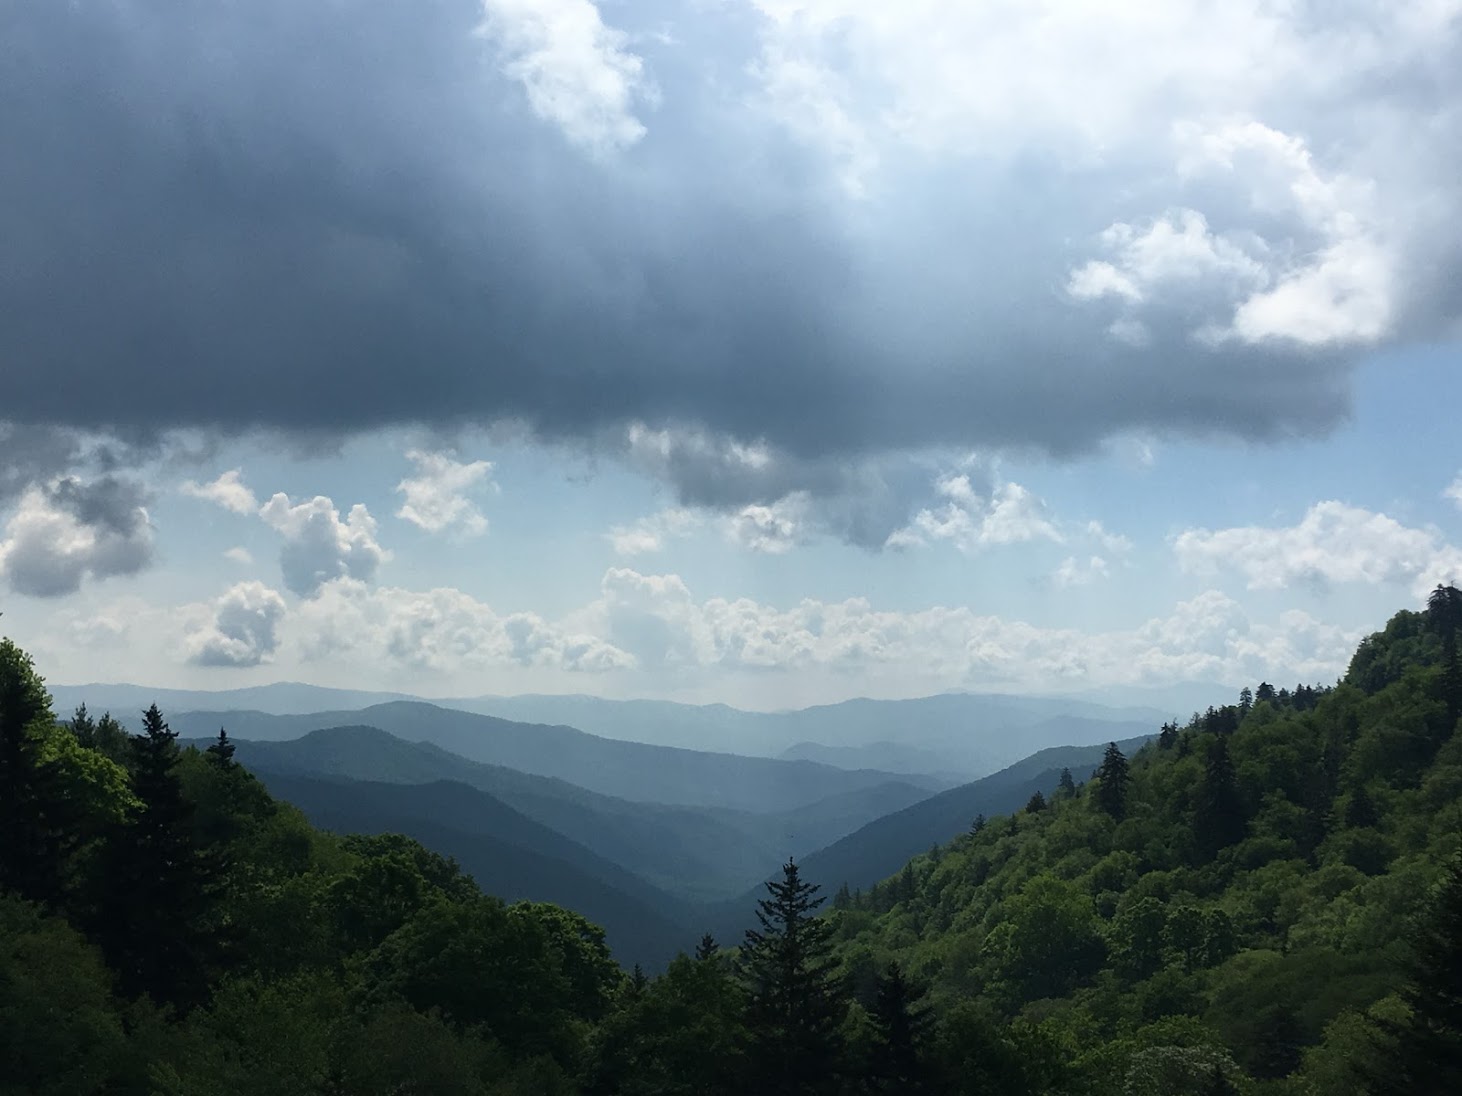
[638, 980]
[105, 735]
[1066, 788]
[1035, 804]
[1360, 811]
[707, 949]
[1246, 702]
[795, 1004]
[1111, 795]
[1265, 693]
[1422, 1055]
[1444, 613]
[897, 1060]
[1167, 738]
[156, 885]
[36, 824]
[221, 753]
[978, 824]
[1218, 817]
[907, 886]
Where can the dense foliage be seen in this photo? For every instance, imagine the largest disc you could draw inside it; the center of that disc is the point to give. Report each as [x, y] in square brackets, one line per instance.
[1238, 903]
[1266, 899]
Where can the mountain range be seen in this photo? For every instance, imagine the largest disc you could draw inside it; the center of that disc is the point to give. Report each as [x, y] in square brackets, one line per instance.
[959, 735]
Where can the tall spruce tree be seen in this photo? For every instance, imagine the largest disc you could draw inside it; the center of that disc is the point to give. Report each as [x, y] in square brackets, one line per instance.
[156, 883]
[1066, 787]
[897, 1061]
[707, 949]
[794, 1001]
[1111, 793]
[1218, 817]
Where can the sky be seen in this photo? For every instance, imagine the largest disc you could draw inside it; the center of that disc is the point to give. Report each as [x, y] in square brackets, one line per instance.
[769, 352]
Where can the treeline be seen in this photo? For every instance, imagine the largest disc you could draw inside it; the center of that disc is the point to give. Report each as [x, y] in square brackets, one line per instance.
[1266, 899]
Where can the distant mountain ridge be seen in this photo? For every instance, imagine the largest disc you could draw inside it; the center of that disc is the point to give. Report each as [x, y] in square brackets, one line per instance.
[970, 734]
[695, 853]
[508, 854]
[628, 770]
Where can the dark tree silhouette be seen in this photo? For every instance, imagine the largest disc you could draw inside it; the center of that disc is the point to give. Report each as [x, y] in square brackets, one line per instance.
[1066, 788]
[794, 1001]
[897, 1060]
[1218, 817]
[156, 884]
[1111, 794]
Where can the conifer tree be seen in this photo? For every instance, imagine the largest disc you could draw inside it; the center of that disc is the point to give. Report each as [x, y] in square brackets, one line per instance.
[221, 753]
[795, 1004]
[897, 1061]
[1035, 804]
[1360, 811]
[105, 735]
[1218, 817]
[1066, 788]
[156, 885]
[1111, 795]
[707, 949]
[978, 824]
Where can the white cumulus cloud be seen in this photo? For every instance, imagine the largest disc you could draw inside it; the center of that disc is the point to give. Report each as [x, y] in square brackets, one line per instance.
[971, 519]
[443, 630]
[576, 70]
[1332, 543]
[243, 630]
[437, 497]
[228, 491]
[319, 546]
[66, 531]
[650, 534]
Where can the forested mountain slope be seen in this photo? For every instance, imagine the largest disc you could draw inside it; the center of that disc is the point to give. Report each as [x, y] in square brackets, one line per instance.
[1246, 883]
[509, 855]
[884, 845]
[699, 854]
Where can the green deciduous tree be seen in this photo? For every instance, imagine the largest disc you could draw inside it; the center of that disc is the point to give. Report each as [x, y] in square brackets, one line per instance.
[37, 824]
[1422, 1054]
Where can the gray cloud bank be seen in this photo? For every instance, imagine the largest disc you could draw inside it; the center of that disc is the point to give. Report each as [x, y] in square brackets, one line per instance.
[326, 218]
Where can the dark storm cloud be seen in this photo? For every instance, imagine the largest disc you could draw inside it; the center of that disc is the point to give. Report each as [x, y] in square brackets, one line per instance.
[324, 218]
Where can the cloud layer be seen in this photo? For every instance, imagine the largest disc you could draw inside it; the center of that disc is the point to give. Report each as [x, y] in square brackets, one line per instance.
[811, 234]
[1332, 543]
[69, 530]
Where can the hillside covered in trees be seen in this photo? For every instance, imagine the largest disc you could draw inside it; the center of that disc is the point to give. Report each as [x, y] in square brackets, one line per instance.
[1264, 900]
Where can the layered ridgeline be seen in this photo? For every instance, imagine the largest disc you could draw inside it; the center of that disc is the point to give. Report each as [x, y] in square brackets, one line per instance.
[1264, 900]
[694, 853]
[959, 735]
